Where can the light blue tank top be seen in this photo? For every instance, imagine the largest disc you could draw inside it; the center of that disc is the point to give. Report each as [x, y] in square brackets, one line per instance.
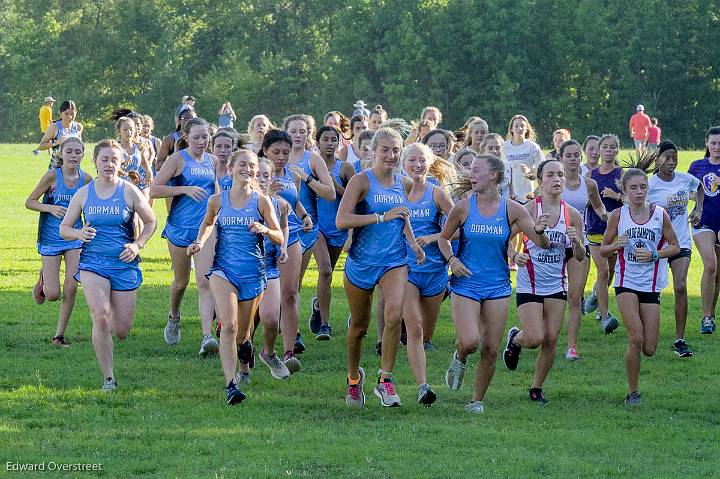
[483, 245]
[63, 132]
[238, 250]
[112, 220]
[49, 226]
[327, 210]
[271, 249]
[289, 193]
[225, 182]
[184, 211]
[425, 219]
[380, 244]
[134, 165]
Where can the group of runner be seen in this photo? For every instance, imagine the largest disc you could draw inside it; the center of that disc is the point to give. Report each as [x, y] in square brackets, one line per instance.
[248, 211]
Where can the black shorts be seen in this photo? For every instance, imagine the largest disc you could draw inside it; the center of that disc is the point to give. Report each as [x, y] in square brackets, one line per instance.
[684, 253]
[522, 298]
[644, 297]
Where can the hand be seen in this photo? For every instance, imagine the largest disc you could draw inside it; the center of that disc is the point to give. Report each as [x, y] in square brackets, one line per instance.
[275, 187]
[643, 255]
[130, 252]
[258, 228]
[541, 223]
[195, 192]
[297, 171]
[573, 236]
[604, 216]
[620, 242]
[530, 196]
[397, 212]
[194, 248]
[86, 234]
[423, 241]
[521, 259]
[609, 193]
[525, 169]
[307, 223]
[695, 216]
[458, 268]
[282, 256]
[419, 254]
[57, 211]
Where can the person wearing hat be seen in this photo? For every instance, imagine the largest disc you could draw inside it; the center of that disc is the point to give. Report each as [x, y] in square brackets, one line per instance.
[639, 127]
[360, 109]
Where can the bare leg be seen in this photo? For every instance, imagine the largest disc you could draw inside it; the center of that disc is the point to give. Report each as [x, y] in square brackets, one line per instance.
[679, 269]
[70, 287]
[577, 277]
[553, 314]
[493, 316]
[270, 315]
[392, 285]
[705, 243]
[630, 312]
[289, 286]
[359, 302]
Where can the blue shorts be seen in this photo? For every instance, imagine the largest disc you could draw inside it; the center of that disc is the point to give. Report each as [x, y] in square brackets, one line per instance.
[246, 289]
[122, 276]
[180, 237]
[307, 240]
[468, 289]
[366, 276]
[57, 249]
[334, 238]
[429, 284]
[271, 268]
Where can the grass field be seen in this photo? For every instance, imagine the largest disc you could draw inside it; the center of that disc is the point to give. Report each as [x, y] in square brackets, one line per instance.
[169, 419]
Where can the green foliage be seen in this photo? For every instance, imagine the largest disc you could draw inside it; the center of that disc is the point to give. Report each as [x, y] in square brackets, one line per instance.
[581, 64]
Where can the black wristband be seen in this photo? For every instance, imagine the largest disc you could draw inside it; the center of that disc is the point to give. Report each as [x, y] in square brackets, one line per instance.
[304, 216]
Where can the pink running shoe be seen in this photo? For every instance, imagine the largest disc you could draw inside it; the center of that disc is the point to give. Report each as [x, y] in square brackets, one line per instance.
[571, 355]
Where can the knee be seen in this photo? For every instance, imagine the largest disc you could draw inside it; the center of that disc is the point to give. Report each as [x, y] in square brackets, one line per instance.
[290, 296]
[122, 333]
[393, 311]
[549, 343]
[101, 318]
[489, 353]
[414, 329]
[710, 268]
[180, 283]
[574, 297]
[681, 288]
[357, 331]
[325, 273]
[230, 328]
[649, 349]
[636, 341]
[466, 346]
[52, 294]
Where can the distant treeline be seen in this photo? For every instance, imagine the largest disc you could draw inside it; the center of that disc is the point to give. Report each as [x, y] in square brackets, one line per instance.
[578, 64]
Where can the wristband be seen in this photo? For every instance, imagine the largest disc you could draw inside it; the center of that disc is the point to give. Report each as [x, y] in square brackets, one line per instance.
[450, 263]
[377, 218]
[382, 218]
[655, 256]
[513, 257]
[308, 180]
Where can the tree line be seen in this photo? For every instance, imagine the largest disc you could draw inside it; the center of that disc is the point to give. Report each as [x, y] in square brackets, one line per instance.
[577, 64]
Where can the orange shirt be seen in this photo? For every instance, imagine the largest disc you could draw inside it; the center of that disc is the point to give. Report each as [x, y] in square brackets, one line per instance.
[639, 124]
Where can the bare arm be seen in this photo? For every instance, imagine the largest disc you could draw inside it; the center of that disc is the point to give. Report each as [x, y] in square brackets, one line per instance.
[72, 215]
[673, 247]
[33, 200]
[517, 215]
[164, 151]
[595, 201]
[458, 215]
[575, 234]
[323, 185]
[48, 139]
[611, 242]
[141, 206]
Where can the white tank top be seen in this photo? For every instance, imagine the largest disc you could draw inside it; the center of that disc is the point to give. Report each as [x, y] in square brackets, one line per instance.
[351, 155]
[545, 272]
[579, 198]
[644, 276]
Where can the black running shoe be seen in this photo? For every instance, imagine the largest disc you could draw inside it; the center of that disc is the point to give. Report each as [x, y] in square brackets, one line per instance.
[428, 346]
[681, 348]
[246, 354]
[325, 333]
[511, 355]
[403, 334]
[314, 321]
[299, 347]
[233, 394]
[378, 348]
[536, 394]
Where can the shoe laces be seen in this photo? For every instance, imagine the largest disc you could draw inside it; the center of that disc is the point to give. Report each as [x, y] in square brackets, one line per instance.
[707, 321]
[288, 355]
[389, 386]
[354, 391]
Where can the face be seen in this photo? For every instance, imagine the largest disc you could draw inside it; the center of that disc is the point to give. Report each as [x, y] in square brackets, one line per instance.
[438, 144]
[333, 120]
[376, 119]
[481, 177]
[328, 143]
[609, 149]
[69, 114]
[278, 153]
[571, 157]
[185, 116]
[387, 153]
[635, 188]
[147, 128]
[261, 125]
[108, 162]
[264, 175]
[493, 147]
[72, 153]
[553, 178]
[298, 131]
[127, 130]
[478, 134]
[366, 153]
[713, 145]
[519, 128]
[558, 140]
[222, 148]
[359, 127]
[433, 118]
[464, 163]
[416, 164]
[198, 138]
[592, 151]
[244, 168]
[138, 124]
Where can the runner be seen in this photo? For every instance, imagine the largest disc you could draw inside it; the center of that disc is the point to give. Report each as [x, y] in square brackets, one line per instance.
[432, 117]
[169, 144]
[258, 126]
[559, 137]
[492, 144]
[224, 144]
[351, 153]
[378, 116]
[137, 164]
[524, 156]
[476, 132]
[63, 128]
[591, 149]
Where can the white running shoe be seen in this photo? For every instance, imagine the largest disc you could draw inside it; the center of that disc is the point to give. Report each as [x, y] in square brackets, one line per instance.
[278, 369]
[172, 330]
[110, 384]
[475, 407]
[455, 373]
[208, 345]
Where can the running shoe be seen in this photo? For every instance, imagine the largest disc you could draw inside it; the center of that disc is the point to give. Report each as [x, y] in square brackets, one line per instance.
[681, 348]
[609, 324]
[598, 317]
[632, 399]
[475, 407]
[278, 370]
[299, 344]
[355, 396]
[707, 325]
[325, 333]
[314, 321]
[428, 346]
[172, 330]
[385, 390]
[60, 342]
[455, 373]
[243, 377]
[426, 396]
[536, 394]
[110, 384]
[38, 293]
[591, 302]
[511, 355]
[36, 152]
[246, 354]
[291, 362]
[208, 345]
[378, 348]
[403, 333]
[233, 394]
[571, 354]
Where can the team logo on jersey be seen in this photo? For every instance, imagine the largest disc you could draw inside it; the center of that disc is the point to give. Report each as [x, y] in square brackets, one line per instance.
[638, 244]
[708, 181]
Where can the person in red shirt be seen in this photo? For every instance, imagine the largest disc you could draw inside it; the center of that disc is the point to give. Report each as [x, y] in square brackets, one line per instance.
[639, 126]
[654, 133]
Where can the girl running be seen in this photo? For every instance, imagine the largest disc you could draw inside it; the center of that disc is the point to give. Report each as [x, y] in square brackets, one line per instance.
[430, 118]
[364, 142]
[559, 137]
[373, 205]
[351, 153]
[640, 235]
[378, 116]
[224, 143]
[480, 283]
[136, 155]
[257, 128]
[243, 217]
[541, 290]
[57, 187]
[440, 142]
[524, 156]
[476, 134]
[427, 204]
[109, 262]
[591, 149]
[705, 234]
[189, 179]
[63, 128]
[672, 191]
[492, 144]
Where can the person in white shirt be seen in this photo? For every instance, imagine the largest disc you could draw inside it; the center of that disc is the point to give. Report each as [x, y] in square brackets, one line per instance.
[524, 156]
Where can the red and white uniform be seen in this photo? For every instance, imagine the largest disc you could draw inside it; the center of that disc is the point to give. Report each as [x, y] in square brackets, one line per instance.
[545, 273]
[649, 277]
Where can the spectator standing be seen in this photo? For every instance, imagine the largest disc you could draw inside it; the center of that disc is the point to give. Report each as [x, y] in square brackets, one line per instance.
[226, 116]
[360, 109]
[639, 126]
[654, 134]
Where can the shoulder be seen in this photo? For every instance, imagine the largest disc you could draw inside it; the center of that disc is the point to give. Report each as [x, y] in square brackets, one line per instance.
[615, 214]
[49, 177]
[346, 169]
[215, 200]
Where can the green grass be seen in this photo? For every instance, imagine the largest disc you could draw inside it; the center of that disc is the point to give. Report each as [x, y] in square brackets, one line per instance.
[169, 419]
